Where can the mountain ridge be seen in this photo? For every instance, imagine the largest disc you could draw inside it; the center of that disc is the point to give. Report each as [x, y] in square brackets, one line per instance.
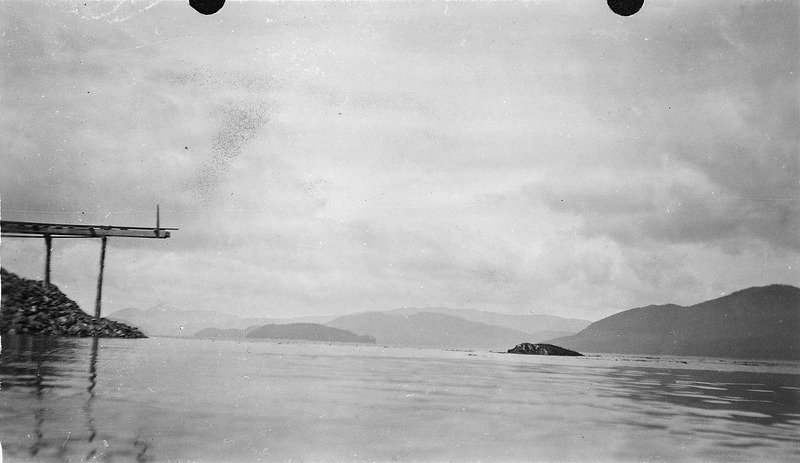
[756, 322]
[161, 321]
[430, 329]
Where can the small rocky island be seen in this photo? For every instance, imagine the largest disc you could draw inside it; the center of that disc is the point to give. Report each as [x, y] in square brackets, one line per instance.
[30, 307]
[542, 349]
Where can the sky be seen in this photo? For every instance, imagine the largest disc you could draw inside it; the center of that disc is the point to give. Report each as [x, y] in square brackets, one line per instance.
[328, 158]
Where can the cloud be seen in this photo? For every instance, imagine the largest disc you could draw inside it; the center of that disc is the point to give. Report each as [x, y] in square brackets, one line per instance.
[672, 205]
[698, 146]
[341, 157]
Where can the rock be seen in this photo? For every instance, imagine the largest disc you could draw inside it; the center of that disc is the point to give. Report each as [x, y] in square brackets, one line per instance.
[542, 349]
[31, 307]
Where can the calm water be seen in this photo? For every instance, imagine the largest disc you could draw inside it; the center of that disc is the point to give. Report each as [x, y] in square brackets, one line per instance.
[181, 400]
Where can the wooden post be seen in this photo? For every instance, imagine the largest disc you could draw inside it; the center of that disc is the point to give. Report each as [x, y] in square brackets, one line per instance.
[100, 278]
[48, 242]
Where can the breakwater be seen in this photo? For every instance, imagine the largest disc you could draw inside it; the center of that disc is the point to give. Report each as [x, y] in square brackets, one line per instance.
[31, 307]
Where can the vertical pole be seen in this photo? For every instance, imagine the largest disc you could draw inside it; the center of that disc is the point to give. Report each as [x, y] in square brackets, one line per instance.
[48, 242]
[158, 220]
[100, 277]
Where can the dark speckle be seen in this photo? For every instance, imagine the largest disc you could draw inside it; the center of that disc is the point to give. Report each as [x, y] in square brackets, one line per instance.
[240, 123]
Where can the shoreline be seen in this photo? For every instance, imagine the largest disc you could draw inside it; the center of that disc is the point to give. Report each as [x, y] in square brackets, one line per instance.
[29, 307]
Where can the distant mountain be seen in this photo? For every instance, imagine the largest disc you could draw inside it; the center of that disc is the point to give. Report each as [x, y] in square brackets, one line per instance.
[426, 329]
[530, 323]
[757, 323]
[171, 322]
[161, 321]
[308, 332]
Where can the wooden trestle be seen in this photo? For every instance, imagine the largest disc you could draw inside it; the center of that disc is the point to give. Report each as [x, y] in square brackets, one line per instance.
[59, 230]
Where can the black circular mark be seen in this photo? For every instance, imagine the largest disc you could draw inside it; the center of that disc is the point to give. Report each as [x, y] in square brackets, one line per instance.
[206, 6]
[625, 7]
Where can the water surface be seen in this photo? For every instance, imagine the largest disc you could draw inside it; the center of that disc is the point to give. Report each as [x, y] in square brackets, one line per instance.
[163, 399]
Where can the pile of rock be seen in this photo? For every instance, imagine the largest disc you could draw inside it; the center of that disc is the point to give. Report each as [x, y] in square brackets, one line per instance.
[30, 307]
[542, 349]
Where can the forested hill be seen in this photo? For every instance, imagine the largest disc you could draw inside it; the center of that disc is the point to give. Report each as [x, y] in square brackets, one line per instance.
[291, 331]
[758, 323]
[308, 332]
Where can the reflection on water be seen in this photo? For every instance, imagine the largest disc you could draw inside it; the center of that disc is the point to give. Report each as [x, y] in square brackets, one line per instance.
[757, 414]
[170, 399]
[37, 371]
[771, 400]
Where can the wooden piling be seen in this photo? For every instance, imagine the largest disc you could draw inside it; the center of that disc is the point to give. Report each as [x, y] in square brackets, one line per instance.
[100, 277]
[48, 242]
[48, 231]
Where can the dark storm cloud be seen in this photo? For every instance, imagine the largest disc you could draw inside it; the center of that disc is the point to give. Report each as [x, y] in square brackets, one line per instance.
[701, 141]
[718, 220]
[647, 207]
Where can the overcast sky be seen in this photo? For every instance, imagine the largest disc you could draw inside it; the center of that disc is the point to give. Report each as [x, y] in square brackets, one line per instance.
[327, 158]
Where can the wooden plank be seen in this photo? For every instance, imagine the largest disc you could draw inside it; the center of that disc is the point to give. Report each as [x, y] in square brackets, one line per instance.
[35, 225]
[89, 231]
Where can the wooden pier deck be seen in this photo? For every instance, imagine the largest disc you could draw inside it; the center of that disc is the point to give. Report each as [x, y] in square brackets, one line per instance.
[48, 231]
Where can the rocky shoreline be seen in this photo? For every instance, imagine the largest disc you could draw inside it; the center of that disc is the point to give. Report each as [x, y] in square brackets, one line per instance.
[29, 307]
